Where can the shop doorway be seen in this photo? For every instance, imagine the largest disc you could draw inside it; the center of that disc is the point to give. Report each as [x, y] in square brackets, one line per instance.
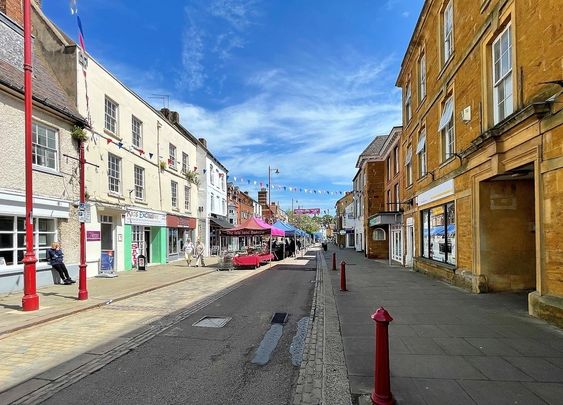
[107, 258]
[396, 244]
[410, 246]
[507, 231]
[147, 250]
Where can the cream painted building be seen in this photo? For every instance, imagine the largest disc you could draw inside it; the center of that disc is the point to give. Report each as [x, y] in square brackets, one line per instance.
[140, 201]
[55, 168]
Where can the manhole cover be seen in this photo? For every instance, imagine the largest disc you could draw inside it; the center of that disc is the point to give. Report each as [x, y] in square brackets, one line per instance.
[279, 317]
[212, 322]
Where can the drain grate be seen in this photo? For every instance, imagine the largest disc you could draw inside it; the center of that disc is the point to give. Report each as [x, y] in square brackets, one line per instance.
[212, 322]
[279, 317]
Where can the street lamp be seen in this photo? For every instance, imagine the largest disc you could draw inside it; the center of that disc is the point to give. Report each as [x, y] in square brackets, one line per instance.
[30, 300]
[276, 171]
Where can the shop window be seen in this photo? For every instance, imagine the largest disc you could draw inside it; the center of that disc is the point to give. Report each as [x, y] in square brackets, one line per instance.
[172, 241]
[12, 238]
[438, 233]
[378, 234]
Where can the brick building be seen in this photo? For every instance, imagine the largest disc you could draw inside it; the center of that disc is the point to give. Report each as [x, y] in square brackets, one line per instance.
[386, 225]
[369, 199]
[482, 126]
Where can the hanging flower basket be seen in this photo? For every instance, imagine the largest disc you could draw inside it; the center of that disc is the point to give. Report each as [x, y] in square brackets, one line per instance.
[191, 176]
[79, 134]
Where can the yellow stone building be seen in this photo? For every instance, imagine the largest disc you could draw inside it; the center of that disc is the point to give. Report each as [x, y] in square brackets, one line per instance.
[483, 145]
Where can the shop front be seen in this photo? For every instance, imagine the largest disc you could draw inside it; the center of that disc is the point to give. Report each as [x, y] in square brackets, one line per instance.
[145, 234]
[50, 224]
[180, 229]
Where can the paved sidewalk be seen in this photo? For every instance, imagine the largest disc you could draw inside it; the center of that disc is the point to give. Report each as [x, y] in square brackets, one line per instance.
[60, 300]
[447, 346]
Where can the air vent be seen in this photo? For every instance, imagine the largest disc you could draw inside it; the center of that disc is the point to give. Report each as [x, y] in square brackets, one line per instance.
[279, 317]
[212, 322]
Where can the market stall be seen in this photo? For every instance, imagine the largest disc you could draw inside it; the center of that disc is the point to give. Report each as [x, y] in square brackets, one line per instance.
[254, 257]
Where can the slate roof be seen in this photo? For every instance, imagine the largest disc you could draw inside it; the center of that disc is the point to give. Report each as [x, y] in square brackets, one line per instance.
[373, 149]
[46, 88]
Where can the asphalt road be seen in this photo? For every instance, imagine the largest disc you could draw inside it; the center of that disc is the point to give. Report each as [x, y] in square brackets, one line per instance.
[195, 365]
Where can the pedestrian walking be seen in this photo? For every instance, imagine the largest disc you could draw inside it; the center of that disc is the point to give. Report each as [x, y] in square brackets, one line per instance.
[189, 252]
[55, 257]
[199, 249]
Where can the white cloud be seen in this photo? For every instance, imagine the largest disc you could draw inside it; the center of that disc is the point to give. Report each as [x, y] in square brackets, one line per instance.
[229, 20]
[194, 75]
[312, 125]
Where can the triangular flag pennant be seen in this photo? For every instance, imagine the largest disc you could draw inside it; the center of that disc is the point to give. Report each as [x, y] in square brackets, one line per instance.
[141, 152]
[108, 140]
[151, 155]
[248, 181]
[204, 170]
[120, 144]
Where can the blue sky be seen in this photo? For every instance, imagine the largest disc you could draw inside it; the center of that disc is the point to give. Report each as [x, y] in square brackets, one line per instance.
[301, 85]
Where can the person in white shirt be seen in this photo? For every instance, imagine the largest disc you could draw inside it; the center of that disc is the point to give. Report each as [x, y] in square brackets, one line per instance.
[189, 252]
[199, 250]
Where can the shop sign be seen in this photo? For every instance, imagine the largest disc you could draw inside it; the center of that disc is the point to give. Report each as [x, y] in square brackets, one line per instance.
[303, 211]
[440, 191]
[93, 236]
[175, 221]
[138, 217]
[134, 252]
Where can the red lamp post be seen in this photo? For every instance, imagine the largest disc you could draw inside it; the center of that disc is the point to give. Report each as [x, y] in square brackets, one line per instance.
[82, 290]
[30, 300]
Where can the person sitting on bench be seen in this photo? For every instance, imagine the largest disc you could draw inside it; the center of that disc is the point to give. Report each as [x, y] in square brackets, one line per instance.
[55, 257]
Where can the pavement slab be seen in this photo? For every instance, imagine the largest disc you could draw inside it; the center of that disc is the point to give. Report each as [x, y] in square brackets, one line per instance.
[446, 345]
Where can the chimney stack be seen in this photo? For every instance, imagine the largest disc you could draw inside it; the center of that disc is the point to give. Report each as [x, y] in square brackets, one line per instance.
[13, 9]
[263, 197]
[203, 141]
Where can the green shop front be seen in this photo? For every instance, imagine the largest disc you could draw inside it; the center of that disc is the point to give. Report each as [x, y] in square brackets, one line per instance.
[145, 234]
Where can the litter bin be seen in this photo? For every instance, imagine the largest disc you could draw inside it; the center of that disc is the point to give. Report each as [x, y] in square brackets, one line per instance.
[141, 263]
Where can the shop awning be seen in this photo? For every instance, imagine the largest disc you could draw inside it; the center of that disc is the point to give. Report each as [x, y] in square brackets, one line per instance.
[386, 218]
[221, 223]
[421, 143]
[254, 226]
[447, 113]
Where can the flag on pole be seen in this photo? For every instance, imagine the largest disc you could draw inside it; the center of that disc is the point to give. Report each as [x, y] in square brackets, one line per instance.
[73, 7]
[80, 32]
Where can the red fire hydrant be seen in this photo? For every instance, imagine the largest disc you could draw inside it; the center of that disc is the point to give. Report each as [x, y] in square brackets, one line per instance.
[334, 261]
[381, 394]
[343, 276]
